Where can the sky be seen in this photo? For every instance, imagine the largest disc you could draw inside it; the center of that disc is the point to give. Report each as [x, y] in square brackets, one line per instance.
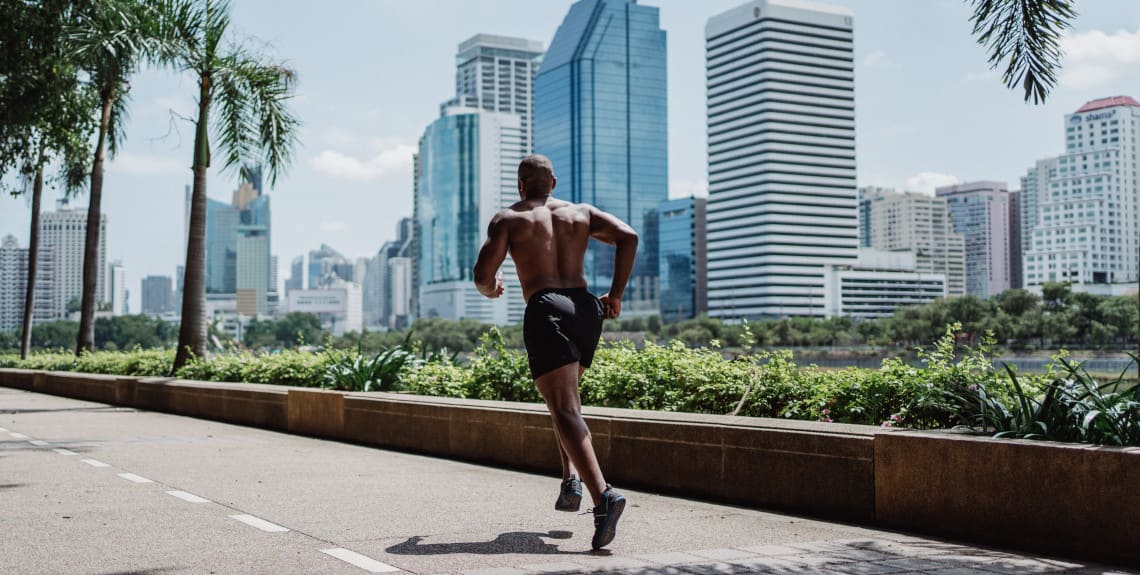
[372, 73]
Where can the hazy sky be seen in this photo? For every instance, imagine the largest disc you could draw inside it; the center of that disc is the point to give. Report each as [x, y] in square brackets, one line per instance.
[373, 72]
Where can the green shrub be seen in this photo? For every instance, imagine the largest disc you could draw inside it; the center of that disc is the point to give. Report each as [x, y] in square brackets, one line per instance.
[440, 379]
[498, 372]
[290, 367]
[354, 371]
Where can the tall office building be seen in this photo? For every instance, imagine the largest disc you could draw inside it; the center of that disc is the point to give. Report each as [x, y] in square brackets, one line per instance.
[14, 282]
[296, 274]
[157, 295]
[1034, 185]
[1086, 222]
[894, 221]
[65, 231]
[600, 115]
[781, 144]
[682, 258]
[244, 220]
[980, 212]
[1016, 275]
[117, 288]
[326, 265]
[400, 294]
[253, 273]
[383, 290]
[466, 171]
[496, 74]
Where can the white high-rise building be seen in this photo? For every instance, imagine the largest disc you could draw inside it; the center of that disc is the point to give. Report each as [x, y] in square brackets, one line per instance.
[781, 154]
[65, 231]
[893, 220]
[1085, 221]
[496, 74]
[117, 276]
[14, 282]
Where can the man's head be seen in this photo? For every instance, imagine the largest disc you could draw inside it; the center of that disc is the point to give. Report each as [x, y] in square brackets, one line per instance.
[536, 176]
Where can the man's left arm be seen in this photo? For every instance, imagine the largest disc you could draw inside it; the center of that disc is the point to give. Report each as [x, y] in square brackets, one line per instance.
[491, 256]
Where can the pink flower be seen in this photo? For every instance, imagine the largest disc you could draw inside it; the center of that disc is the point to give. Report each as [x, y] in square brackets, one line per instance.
[887, 424]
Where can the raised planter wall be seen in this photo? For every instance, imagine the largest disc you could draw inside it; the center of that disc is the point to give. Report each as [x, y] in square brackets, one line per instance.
[1057, 498]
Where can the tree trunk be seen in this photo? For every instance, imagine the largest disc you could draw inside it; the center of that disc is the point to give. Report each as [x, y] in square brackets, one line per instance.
[91, 270]
[192, 332]
[33, 256]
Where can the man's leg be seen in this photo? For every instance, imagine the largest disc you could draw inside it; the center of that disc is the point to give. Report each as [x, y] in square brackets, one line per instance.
[567, 465]
[560, 390]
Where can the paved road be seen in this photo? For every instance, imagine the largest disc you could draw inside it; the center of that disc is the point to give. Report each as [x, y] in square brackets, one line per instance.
[90, 488]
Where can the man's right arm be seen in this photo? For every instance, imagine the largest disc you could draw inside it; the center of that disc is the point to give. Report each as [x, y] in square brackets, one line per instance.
[607, 228]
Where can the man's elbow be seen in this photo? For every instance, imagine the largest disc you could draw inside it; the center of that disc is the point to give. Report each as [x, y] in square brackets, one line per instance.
[484, 281]
[628, 237]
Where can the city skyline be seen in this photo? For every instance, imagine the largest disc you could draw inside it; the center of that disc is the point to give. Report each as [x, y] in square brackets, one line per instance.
[913, 117]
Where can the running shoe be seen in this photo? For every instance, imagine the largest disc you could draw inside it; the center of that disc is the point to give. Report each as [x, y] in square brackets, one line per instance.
[570, 498]
[606, 516]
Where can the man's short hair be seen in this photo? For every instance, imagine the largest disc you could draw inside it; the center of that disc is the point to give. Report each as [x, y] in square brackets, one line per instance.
[536, 172]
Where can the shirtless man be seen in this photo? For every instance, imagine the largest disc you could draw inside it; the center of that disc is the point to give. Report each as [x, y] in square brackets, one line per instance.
[547, 239]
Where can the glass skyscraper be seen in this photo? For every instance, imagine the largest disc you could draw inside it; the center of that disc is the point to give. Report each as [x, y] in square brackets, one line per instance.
[681, 248]
[246, 217]
[600, 115]
[465, 173]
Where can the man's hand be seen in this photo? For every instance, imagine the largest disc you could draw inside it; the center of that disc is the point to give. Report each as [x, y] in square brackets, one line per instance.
[611, 305]
[499, 288]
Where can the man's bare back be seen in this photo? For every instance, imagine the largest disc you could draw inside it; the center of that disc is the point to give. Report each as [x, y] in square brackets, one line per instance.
[547, 239]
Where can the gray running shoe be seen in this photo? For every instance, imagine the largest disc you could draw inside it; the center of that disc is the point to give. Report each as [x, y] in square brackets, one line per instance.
[606, 516]
[570, 498]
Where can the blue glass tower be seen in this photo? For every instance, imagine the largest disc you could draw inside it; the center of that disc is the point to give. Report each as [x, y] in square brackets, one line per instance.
[222, 221]
[600, 115]
[681, 260]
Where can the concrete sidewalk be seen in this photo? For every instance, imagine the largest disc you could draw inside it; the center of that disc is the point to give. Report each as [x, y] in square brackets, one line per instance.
[89, 488]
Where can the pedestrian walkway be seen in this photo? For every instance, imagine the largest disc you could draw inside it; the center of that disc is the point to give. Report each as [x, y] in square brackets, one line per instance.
[91, 488]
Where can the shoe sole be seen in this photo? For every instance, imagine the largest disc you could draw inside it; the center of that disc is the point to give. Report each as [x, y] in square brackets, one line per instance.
[569, 504]
[611, 524]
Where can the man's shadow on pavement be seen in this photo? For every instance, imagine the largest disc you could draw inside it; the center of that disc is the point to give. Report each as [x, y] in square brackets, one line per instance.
[528, 542]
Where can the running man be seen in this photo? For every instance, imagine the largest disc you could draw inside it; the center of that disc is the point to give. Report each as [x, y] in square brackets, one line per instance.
[547, 239]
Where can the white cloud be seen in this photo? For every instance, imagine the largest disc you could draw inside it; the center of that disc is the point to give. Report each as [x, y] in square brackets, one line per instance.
[687, 188]
[985, 76]
[925, 182]
[139, 165]
[1095, 58]
[875, 58]
[384, 160]
[334, 226]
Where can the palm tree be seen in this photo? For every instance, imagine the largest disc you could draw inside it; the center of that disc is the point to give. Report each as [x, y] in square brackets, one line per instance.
[1026, 36]
[43, 115]
[108, 43]
[253, 126]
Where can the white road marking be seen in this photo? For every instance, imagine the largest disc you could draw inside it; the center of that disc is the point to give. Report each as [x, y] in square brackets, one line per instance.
[366, 563]
[2, 430]
[63, 451]
[94, 463]
[259, 523]
[135, 478]
[38, 442]
[17, 435]
[188, 497]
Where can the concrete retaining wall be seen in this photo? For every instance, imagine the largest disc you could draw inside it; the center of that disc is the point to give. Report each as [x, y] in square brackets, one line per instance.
[1056, 498]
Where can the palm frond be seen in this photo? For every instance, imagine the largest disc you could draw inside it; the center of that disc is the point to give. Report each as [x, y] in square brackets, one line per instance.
[256, 125]
[1026, 36]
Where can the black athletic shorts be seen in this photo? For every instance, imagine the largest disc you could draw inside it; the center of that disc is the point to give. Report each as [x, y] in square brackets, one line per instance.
[561, 326]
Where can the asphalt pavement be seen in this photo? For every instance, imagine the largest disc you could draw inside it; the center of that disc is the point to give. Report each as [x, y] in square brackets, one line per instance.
[91, 488]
